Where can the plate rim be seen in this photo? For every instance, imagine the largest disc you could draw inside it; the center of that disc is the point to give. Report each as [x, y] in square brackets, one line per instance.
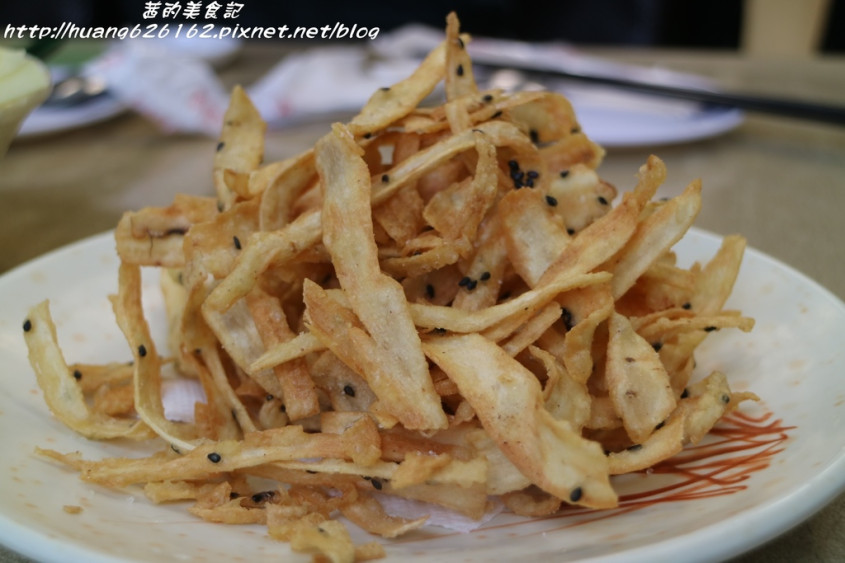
[817, 491]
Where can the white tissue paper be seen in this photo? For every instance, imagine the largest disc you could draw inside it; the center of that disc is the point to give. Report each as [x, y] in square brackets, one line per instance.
[324, 80]
[179, 89]
[181, 94]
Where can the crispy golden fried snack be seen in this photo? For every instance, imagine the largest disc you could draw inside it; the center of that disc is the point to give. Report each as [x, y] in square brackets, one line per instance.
[398, 372]
[441, 303]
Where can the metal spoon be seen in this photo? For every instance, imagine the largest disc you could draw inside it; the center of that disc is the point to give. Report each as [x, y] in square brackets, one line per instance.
[74, 90]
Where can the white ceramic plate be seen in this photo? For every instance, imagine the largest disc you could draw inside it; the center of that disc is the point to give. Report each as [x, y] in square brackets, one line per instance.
[615, 118]
[793, 359]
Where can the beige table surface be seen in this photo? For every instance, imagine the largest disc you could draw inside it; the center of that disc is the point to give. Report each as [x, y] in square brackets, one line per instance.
[780, 182]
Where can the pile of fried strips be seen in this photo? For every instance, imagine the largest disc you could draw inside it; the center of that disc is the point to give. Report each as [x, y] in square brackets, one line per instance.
[443, 303]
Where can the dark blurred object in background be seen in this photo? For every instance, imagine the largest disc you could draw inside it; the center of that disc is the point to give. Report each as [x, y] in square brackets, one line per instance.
[834, 37]
[694, 23]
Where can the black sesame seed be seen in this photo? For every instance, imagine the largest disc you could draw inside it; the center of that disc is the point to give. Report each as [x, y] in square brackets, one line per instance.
[367, 135]
[214, 457]
[535, 136]
[349, 390]
[385, 178]
[529, 182]
[385, 88]
[142, 350]
[660, 425]
[263, 496]
[220, 146]
[429, 291]
[485, 276]
[570, 231]
[269, 397]
[551, 200]
[488, 98]
[77, 375]
[686, 305]
[564, 173]
[709, 328]
[517, 174]
[472, 285]
[533, 174]
[464, 281]
[376, 484]
[685, 394]
[657, 346]
[513, 165]
[237, 242]
[602, 200]
[233, 495]
[566, 317]
[576, 494]
[726, 399]
[460, 70]
[27, 325]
